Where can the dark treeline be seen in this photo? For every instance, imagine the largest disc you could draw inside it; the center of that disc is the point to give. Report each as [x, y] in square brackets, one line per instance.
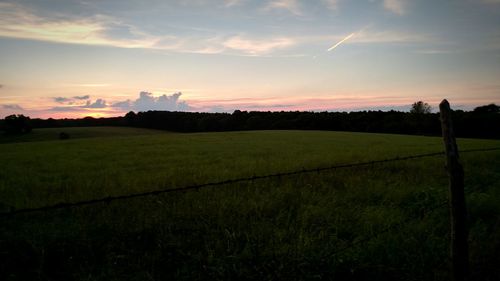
[483, 122]
[369, 121]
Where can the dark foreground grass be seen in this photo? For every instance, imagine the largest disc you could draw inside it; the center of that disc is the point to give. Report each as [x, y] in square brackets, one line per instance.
[319, 226]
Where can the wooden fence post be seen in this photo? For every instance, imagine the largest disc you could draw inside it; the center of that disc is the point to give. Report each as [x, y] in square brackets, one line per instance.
[458, 212]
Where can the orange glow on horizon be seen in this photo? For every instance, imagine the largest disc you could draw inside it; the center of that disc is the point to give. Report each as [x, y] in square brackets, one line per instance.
[94, 113]
[47, 108]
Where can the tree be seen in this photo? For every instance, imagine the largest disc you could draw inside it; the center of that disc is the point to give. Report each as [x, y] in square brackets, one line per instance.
[420, 107]
[490, 108]
[17, 124]
[130, 118]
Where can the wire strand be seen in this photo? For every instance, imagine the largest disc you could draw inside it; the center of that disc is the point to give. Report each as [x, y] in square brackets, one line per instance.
[66, 205]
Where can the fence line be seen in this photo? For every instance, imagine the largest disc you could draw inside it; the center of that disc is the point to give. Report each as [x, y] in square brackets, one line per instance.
[67, 205]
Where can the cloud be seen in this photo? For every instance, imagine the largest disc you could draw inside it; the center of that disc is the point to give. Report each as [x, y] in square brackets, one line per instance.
[123, 104]
[17, 21]
[291, 6]
[391, 36]
[396, 6]
[86, 97]
[66, 108]
[331, 4]
[62, 100]
[1, 86]
[230, 3]
[147, 101]
[72, 100]
[21, 22]
[258, 47]
[12, 107]
[99, 103]
[491, 1]
[72, 107]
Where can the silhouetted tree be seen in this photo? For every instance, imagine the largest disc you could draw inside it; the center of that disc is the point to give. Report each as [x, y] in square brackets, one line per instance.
[17, 124]
[484, 122]
[130, 118]
[420, 107]
[490, 108]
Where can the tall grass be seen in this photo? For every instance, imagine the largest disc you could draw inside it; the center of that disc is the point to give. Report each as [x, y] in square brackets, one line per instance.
[302, 227]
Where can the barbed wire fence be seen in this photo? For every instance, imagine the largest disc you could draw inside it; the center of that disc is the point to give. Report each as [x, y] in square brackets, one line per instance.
[109, 199]
[346, 247]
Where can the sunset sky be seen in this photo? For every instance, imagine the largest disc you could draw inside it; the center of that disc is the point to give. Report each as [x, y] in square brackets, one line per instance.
[71, 58]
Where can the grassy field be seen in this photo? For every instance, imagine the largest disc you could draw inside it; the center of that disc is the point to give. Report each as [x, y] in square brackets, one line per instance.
[290, 228]
[52, 134]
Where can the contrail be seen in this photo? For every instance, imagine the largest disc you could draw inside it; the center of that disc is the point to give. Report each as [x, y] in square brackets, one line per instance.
[341, 41]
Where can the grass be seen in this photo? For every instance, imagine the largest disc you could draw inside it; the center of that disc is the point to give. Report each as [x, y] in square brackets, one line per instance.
[289, 228]
[52, 134]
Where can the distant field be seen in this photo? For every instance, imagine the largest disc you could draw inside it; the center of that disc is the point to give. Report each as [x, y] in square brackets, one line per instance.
[279, 229]
[52, 134]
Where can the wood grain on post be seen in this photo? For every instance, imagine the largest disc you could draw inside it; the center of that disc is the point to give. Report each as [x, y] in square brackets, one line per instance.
[458, 212]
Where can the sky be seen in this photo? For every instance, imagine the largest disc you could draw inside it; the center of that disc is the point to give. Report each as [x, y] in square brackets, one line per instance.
[76, 58]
